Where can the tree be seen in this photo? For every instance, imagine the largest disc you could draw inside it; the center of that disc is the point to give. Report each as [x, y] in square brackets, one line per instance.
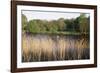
[79, 24]
[61, 24]
[76, 25]
[33, 26]
[24, 22]
[41, 25]
[54, 26]
[83, 23]
[69, 25]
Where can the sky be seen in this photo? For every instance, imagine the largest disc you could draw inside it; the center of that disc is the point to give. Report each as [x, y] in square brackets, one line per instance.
[49, 15]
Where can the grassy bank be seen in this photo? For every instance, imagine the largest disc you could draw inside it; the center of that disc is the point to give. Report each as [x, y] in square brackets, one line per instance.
[59, 33]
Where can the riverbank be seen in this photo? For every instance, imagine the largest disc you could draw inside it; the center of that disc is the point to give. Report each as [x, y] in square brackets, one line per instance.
[60, 33]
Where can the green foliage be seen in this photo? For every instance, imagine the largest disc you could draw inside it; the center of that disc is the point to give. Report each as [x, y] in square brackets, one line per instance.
[76, 25]
[33, 26]
[61, 24]
[70, 25]
[53, 26]
[83, 23]
[24, 22]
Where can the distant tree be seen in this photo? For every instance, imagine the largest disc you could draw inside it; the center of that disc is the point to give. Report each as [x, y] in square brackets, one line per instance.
[33, 26]
[69, 25]
[24, 22]
[41, 25]
[44, 26]
[88, 24]
[79, 24]
[55, 25]
[47, 25]
[83, 23]
[61, 24]
[76, 24]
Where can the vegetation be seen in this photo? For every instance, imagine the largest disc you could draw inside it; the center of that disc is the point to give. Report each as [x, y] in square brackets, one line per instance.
[46, 48]
[76, 25]
[24, 22]
[72, 45]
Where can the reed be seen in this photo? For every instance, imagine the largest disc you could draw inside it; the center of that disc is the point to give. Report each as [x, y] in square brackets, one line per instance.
[51, 49]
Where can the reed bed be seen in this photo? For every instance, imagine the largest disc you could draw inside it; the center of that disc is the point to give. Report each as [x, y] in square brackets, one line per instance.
[37, 48]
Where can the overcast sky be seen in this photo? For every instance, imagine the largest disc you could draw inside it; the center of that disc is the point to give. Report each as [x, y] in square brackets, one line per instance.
[49, 15]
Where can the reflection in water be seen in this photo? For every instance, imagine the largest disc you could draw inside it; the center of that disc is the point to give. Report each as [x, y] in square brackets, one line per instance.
[44, 47]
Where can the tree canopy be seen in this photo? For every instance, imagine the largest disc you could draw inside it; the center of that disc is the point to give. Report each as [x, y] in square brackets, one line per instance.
[79, 24]
[24, 22]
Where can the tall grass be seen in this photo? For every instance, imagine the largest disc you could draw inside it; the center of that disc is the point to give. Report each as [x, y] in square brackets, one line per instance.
[53, 48]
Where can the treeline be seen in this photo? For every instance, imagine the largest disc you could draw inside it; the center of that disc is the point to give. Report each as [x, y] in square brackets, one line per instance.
[79, 24]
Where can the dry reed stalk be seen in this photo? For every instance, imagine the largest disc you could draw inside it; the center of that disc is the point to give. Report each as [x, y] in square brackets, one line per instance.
[48, 49]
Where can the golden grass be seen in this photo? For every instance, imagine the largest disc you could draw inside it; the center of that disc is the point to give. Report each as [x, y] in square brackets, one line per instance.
[48, 49]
